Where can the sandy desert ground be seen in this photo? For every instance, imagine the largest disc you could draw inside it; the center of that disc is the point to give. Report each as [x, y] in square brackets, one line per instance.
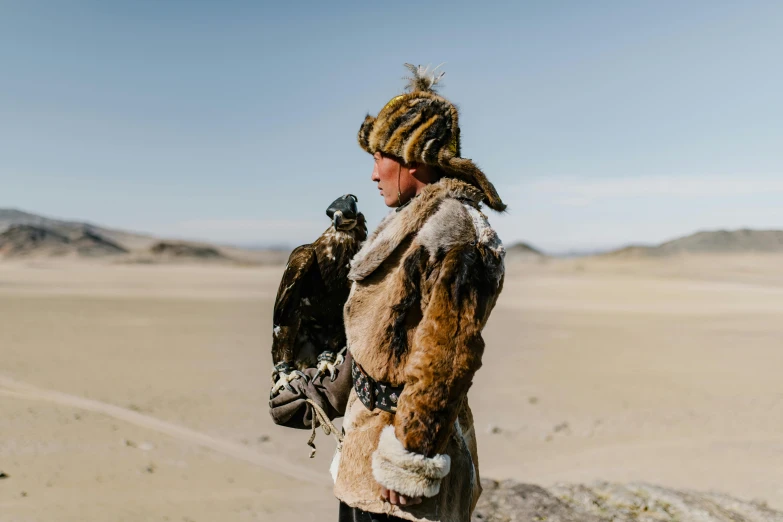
[132, 393]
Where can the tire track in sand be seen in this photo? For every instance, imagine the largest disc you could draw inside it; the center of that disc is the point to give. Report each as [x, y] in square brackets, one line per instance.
[12, 388]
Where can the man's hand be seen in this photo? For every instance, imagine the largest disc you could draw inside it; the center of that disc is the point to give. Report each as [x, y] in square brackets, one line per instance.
[396, 499]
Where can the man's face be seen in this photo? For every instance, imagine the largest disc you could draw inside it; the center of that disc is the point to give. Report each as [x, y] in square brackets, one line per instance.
[392, 176]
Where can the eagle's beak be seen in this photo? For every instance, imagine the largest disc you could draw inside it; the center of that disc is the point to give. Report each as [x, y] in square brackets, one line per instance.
[337, 220]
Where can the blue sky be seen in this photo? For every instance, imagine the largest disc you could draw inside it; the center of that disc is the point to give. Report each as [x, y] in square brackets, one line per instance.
[600, 123]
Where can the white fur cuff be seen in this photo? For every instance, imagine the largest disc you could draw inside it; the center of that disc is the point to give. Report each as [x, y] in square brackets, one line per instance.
[410, 474]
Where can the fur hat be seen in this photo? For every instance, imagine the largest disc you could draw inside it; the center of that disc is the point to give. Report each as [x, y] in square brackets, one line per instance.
[423, 127]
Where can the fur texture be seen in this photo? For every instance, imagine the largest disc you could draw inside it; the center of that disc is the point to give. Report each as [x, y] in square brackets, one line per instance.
[424, 285]
[423, 127]
[411, 219]
[411, 474]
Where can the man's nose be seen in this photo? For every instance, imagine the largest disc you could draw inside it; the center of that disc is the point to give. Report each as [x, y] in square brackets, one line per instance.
[375, 176]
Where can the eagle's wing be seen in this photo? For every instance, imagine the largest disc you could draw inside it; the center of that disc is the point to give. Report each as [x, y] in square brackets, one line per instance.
[300, 263]
[287, 318]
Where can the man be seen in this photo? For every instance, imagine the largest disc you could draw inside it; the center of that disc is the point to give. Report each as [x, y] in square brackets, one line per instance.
[423, 286]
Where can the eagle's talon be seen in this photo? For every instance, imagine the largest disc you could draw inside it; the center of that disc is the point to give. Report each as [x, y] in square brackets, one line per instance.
[282, 379]
[328, 363]
[279, 385]
[333, 369]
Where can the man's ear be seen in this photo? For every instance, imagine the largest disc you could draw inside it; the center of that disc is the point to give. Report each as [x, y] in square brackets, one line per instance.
[424, 172]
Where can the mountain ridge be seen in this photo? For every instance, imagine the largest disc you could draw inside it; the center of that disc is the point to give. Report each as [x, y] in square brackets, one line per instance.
[720, 241]
[27, 235]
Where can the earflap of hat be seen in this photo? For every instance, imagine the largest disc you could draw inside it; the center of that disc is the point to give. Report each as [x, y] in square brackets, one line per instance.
[466, 170]
[364, 133]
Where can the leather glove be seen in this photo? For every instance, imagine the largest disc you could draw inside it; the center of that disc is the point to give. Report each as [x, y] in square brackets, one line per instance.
[290, 409]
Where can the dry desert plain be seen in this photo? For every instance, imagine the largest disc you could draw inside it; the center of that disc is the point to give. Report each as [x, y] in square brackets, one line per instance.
[139, 392]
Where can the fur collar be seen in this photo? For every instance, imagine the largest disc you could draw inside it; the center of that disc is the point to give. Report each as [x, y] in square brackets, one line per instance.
[397, 226]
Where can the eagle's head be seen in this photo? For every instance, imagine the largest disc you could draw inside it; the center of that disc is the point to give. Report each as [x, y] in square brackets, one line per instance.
[343, 212]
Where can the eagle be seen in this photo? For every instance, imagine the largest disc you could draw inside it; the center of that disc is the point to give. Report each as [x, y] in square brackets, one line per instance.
[308, 314]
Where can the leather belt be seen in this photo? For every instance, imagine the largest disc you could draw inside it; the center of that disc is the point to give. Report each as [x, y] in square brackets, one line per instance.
[372, 393]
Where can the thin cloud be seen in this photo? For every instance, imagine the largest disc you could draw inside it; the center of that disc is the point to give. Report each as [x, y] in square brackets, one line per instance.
[571, 191]
[563, 213]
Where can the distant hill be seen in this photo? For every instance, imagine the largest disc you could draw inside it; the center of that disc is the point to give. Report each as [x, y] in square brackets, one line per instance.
[714, 242]
[129, 240]
[10, 217]
[186, 251]
[523, 252]
[27, 235]
[37, 241]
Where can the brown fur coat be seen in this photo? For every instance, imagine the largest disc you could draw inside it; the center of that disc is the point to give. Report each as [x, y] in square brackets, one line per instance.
[424, 285]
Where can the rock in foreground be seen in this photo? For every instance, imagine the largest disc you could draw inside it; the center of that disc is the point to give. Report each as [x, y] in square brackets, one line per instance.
[510, 501]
